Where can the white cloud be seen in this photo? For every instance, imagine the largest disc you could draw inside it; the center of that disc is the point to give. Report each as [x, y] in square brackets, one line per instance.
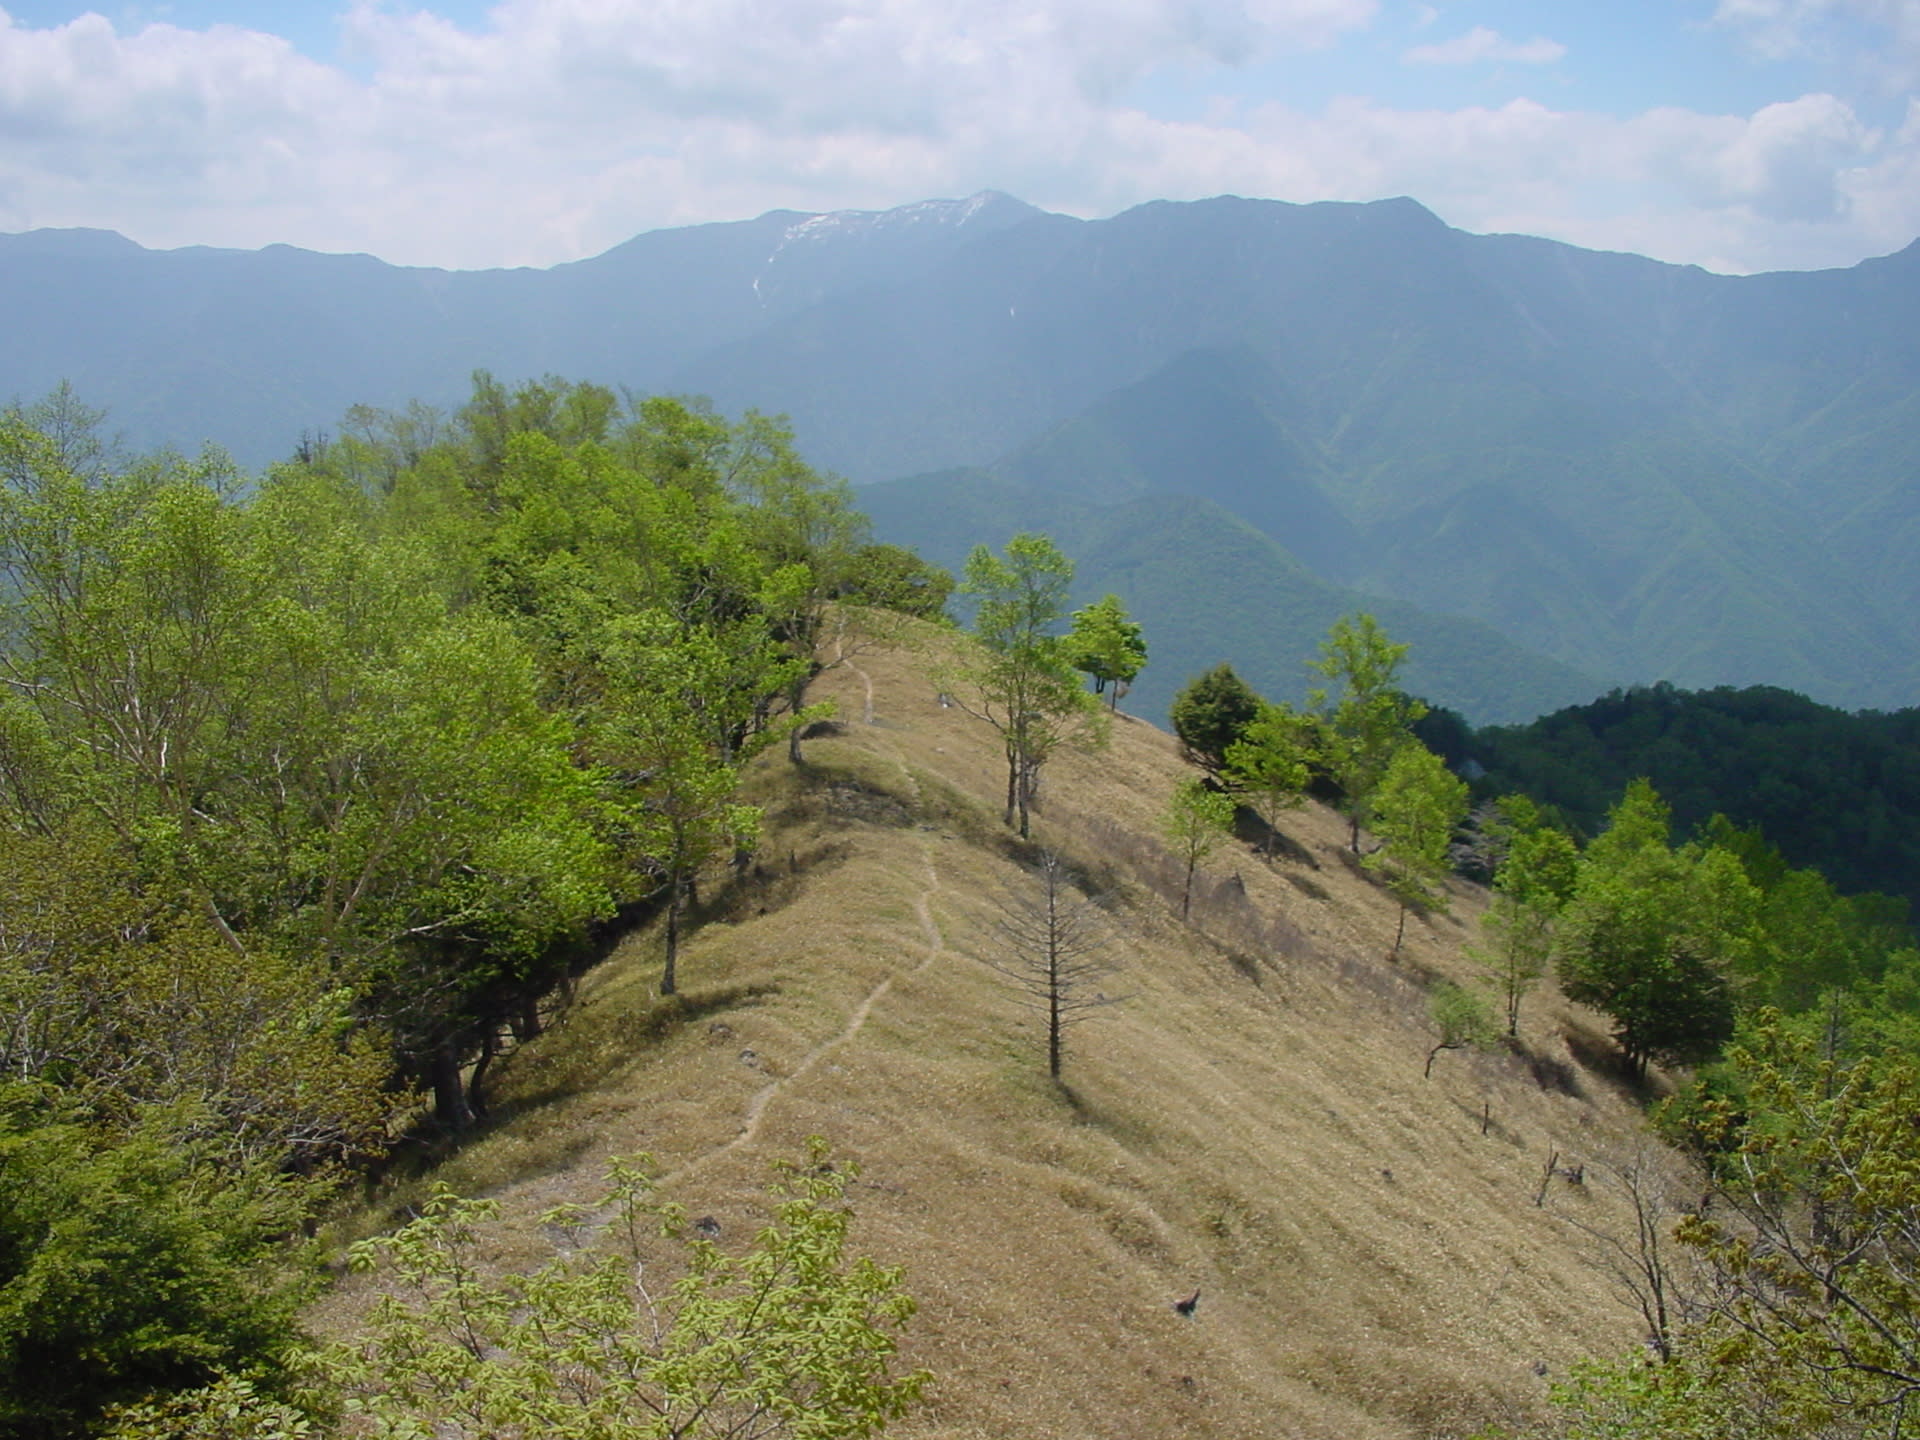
[565, 126]
[1830, 30]
[1481, 44]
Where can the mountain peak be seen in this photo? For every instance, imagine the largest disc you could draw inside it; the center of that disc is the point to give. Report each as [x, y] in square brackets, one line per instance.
[983, 210]
[74, 242]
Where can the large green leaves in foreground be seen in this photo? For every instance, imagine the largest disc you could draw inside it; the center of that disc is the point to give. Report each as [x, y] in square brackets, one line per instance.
[791, 1339]
[1803, 1317]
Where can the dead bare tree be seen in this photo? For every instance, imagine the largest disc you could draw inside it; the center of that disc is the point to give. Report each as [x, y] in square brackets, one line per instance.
[1642, 1258]
[1051, 945]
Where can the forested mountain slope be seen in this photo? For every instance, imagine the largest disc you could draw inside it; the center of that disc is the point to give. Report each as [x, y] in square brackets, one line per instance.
[1249, 1121]
[1208, 585]
[1834, 791]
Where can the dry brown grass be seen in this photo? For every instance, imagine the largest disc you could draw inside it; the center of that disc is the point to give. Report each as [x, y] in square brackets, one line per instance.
[1252, 1122]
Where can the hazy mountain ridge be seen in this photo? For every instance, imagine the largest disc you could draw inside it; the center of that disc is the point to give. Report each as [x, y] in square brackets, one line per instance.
[1636, 469]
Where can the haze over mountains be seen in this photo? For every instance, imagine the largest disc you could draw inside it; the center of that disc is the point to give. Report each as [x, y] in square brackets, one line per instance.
[1551, 469]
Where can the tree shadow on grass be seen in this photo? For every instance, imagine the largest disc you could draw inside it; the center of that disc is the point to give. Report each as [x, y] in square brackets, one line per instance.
[588, 1049]
[1600, 1056]
[596, 1047]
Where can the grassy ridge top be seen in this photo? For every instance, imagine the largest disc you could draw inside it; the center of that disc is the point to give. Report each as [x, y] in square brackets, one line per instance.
[1252, 1122]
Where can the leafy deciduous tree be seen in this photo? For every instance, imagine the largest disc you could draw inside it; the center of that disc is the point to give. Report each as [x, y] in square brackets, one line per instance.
[791, 1339]
[1022, 682]
[1269, 763]
[1462, 1018]
[1366, 719]
[1534, 881]
[1655, 936]
[1416, 805]
[1105, 644]
[1196, 820]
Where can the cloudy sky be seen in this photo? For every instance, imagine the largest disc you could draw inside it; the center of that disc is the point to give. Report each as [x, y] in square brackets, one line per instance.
[1736, 134]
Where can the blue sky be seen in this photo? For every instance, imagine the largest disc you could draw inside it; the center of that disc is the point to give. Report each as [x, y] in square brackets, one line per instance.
[1736, 134]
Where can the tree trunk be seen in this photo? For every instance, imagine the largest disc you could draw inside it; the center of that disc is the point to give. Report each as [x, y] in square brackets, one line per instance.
[529, 1024]
[489, 1049]
[1186, 895]
[450, 1105]
[1053, 1026]
[796, 699]
[1400, 934]
[668, 985]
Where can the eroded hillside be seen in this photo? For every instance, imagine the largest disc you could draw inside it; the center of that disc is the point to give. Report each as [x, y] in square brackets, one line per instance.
[1252, 1122]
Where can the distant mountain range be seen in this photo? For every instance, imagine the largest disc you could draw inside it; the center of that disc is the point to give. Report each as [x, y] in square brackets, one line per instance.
[1551, 468]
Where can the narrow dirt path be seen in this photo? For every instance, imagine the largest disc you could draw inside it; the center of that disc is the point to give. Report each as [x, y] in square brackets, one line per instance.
[756, 1110]
[840, 658]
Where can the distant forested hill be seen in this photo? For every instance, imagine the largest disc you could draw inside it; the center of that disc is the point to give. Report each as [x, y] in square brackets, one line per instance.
[1834, 791]
[1638, 471]
[1211, 587]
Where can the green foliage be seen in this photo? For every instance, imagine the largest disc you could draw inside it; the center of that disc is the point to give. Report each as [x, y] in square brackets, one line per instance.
[1521, 927]
[1196, 820]
[1462, 1019]
[677, 729]
[1541, 867]
[1640, 1399]
[792, 1338]
[231, 1408]
[1816, 1305]
[1105, 644]
[1808, 1323]
[1416, 806]
[303, 781]
[894, 578]
[134, 1001]
[1657, 937]
[1365, 719]
[1022, 680]
[1834, 791]
[1270, 763]
[129, 1265]
[1212, 712]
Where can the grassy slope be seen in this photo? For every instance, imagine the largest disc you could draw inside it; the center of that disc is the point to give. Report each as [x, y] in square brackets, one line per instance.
[1252, 1121]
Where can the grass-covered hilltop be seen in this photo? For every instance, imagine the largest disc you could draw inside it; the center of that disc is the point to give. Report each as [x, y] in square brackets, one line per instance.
[524, 921]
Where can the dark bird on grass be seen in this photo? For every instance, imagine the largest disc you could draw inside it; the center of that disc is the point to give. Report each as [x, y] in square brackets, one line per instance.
[1186, 1306]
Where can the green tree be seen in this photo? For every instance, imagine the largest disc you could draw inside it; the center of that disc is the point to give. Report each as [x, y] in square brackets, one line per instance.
[792, 1338]
[1808, 1320]
[1365, 718]
[1815, 1306]
[1462, 1019]
[1416, 806]
[129, 1266]
[1534, 882]
[138, 1003]
[1021, 680]
[673, 741]
[1210, 713]
[893, 577]
[1655, 936]
[1269, 763]
[1106, 645]
[1196, 820]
